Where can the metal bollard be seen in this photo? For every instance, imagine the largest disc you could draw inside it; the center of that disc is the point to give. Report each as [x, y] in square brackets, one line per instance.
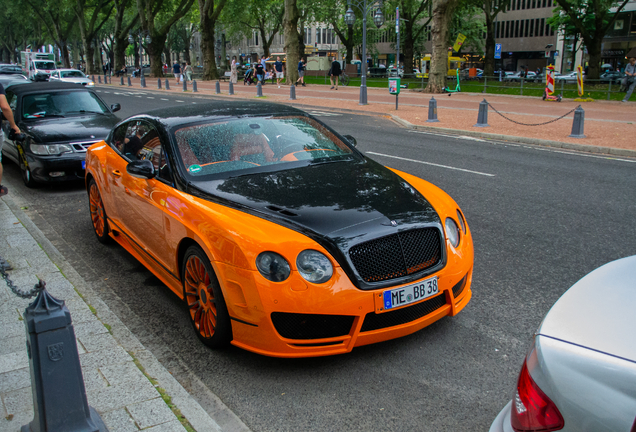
[143, 81]
[185, 86]
[105, 79]
[259, 90]
[482, 117]
[121, 80]
[292, 92]
[159, 83]
[432, 111]
[59, 394]
[231, 88]
[578, 123]
[217, 86]
[129, 83]
[167, 84]
[194, 86]
[99, 79]
[93, 78]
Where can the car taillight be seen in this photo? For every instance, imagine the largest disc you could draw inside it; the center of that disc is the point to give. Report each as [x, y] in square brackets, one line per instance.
[532, 410]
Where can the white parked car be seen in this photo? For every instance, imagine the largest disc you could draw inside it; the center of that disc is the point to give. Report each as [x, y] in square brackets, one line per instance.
[580, 373]
[72, 76]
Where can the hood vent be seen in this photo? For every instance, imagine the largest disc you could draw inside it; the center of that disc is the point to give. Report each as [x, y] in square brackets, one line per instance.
[281, 211]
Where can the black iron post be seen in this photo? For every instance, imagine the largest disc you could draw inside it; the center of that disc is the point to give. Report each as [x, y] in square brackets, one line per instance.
[578, 123]
[217, 87]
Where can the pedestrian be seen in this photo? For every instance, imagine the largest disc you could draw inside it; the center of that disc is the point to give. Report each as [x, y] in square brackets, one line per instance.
[176, 70]
[278, 68]
[259, 71]
[334, 73]
[8, 115]
[301, 72]
[264, 62]
[233, 71]
[630, 78]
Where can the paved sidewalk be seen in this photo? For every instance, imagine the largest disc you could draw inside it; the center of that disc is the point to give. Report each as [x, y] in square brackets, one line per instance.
[124, 382]
[609, 125]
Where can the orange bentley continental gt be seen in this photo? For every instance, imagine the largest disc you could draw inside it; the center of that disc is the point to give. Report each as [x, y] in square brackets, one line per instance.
[278, 234]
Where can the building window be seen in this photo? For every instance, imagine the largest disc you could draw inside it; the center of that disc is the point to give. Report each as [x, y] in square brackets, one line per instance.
[551, 31]
[542, 25]
[318, 35]
[255, 38]
[517, 28]
[521, 29]
[527, 25]
[507, 28]
[324, 36]
[536, 27]
[531, 28]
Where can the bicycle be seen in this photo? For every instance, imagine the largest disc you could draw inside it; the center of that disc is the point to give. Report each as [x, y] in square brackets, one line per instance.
[344, 79]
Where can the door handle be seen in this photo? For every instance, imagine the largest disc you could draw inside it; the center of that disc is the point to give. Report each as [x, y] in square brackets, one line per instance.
[117, 173]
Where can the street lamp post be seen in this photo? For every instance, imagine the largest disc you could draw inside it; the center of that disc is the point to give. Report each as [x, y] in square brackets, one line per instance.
[148, 39]
[378, 19]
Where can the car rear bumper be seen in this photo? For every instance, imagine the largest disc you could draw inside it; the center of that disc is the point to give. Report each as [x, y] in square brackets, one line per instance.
[502, 421]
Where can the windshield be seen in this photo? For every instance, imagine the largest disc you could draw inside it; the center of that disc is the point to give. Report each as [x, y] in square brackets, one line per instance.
[72, 74]
[48, 65]
[61, 104]
[247, 143]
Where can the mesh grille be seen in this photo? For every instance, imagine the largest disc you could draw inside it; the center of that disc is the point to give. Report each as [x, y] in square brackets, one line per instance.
[405, 315]
[397, 255]
[311, 326]
[459, 287]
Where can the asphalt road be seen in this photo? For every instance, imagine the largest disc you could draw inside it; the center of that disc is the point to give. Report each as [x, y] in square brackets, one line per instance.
[541, 219]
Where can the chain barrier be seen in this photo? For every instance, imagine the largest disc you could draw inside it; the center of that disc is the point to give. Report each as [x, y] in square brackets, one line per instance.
[531, 124]
[4, 267]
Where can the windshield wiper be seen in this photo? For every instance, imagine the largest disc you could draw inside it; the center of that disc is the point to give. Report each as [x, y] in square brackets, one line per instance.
[84, 112]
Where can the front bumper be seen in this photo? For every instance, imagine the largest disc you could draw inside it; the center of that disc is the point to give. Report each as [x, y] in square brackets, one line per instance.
[72, 165]
[299, 319]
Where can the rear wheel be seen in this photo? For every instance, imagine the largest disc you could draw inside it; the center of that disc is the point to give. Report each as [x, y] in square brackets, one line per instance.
[98, 214]
[204, 300]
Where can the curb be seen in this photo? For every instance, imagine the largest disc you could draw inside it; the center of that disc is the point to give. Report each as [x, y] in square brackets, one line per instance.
[484, 135]
[189, 407]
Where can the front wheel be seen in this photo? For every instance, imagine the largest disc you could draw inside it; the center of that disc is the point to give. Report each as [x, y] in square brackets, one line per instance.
[345, 80]
[98, 214]
[204, 300]
[27, 178]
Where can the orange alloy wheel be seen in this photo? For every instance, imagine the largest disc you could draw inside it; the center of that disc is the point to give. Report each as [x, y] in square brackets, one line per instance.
[98, 214]
[204, 300]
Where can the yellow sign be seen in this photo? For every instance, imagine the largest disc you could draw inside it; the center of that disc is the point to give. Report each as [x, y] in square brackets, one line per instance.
[459, 42]
[309, 49]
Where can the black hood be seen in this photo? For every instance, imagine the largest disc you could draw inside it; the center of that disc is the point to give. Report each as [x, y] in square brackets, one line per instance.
[339, 204]
[76, 128]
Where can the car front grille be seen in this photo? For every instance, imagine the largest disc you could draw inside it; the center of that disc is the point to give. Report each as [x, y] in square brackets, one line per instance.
[459, 286]
[374, 321]
[311, 326]
[397, 255]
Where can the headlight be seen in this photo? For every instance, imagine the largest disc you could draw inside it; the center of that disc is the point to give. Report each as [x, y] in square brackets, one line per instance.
[90, 84]
[50, 149]
[273, 266]
[462, 222]
[452, 232]
[314, 266]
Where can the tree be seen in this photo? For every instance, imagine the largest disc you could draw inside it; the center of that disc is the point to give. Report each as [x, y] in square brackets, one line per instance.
[59, 20]
[157, 17]
[242, 17]
[292, 45]
[442, 16]
[592, 20]
[208, 16]
[126, 17]
[415, 16]
[98, 13]
[490, 8]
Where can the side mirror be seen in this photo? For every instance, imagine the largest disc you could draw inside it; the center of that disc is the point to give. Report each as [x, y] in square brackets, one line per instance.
[141, 169]
[352, 140]
[115, 107]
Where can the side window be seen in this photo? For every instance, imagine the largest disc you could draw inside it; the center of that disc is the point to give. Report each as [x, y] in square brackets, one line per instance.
[119, 136]
[164, 170]
[13, 101]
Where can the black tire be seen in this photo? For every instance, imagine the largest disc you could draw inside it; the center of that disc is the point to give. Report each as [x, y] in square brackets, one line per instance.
[27, 177]
[209, 316]
[98, 214]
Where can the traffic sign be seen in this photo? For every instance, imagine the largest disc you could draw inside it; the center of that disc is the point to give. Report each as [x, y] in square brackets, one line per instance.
[497, 51]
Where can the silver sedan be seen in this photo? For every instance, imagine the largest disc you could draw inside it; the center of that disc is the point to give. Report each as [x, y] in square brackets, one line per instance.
[72, 76]
[580, 373]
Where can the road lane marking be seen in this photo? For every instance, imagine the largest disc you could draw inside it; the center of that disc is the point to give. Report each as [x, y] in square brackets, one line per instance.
[165, 99]
[149, 97]
[178, 101]
[432, 164]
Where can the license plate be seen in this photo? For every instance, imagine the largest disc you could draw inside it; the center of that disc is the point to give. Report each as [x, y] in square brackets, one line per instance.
[83, 165]
[410, 293]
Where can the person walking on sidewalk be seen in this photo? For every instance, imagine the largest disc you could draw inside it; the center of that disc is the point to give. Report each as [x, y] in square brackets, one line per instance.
[278, 67]
[176, 70]
[335, 72]
[630, 78]
[301, 72]
[233, 72]
[8, 115]
[187, 71]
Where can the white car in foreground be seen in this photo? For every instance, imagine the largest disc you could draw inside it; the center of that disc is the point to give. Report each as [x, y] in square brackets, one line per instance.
[580, 374]
[72, 76]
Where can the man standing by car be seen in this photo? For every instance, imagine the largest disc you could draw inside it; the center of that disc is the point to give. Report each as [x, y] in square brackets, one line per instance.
[278, 67]
[335, 72]
[176, 70]
[630, 78]
[8, 115]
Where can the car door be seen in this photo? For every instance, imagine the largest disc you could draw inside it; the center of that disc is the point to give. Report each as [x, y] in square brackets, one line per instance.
[140, 202]
[9, 146]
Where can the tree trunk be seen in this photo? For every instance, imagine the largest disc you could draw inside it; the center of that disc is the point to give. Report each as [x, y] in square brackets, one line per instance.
[407, 47]
[89, 49]
[442, 16]
[155, 49]
[120, 53]
[292, 46]
[594, 51]
[489, 63]
[207, 48]
[267, 42]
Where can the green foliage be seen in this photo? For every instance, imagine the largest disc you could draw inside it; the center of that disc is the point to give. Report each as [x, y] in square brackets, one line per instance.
[469, 21]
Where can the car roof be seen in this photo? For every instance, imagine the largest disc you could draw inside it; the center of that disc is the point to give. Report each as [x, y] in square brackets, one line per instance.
[219, 109]
[68, 69]
[39, 87]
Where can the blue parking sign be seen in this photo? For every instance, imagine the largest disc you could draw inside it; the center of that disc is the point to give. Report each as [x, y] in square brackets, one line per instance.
[497, 51]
